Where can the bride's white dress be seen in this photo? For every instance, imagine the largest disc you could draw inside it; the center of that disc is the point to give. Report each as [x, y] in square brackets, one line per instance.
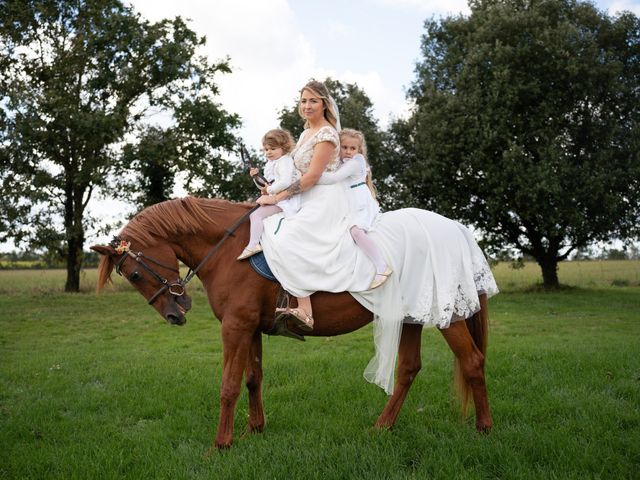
[438, 268]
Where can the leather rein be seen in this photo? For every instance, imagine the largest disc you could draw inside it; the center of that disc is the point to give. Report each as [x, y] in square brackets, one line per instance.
[176, 287]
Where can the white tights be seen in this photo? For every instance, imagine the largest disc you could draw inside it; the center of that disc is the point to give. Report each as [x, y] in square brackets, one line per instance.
[257, 226]
[369, 247]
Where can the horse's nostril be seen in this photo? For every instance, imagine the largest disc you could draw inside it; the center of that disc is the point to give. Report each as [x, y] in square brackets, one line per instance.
[175, 319]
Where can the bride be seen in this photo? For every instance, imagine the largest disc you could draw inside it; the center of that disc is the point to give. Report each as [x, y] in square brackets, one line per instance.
[439, 270]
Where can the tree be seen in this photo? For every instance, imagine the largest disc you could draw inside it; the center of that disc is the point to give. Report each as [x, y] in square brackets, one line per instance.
[526, 124]
[76, 80]
[356, 111]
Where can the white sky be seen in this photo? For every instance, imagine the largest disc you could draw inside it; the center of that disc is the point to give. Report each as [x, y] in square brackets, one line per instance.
[276, 46]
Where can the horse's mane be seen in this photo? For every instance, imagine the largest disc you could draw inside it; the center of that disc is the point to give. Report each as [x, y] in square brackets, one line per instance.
[172, 218]
[176, 217]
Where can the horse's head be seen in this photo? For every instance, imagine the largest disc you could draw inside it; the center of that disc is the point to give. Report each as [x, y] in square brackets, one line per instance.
[152, 270]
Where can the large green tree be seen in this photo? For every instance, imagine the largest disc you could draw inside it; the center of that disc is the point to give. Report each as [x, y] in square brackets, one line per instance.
[526, 124]
[76, 81]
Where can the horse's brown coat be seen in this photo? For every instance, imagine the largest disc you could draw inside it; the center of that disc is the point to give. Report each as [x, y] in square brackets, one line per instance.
[244, 302]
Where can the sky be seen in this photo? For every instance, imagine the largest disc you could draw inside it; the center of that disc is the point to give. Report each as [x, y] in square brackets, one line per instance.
[276, 46]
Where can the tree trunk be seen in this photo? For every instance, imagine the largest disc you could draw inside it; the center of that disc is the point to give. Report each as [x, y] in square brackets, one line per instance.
[74, 261]
[549, 266]
[74, 210]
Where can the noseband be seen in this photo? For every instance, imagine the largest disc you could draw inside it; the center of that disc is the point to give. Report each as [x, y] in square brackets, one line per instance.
[176, 287]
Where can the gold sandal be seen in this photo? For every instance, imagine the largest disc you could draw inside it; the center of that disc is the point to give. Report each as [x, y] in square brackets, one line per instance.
[299, 316]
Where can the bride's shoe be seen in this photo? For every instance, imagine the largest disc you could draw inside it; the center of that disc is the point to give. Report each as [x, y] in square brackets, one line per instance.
[248, 252]
[298, 315]
[380, 278]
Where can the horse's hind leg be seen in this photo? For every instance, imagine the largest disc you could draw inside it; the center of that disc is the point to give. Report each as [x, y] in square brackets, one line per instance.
[253, 374]
[409, 364]
[471, 365]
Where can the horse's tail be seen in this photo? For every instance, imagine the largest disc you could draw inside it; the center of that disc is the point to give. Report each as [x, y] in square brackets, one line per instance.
[478, 326]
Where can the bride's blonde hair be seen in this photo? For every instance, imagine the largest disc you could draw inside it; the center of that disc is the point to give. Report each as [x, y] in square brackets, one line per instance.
[362, 148]
[321, 91]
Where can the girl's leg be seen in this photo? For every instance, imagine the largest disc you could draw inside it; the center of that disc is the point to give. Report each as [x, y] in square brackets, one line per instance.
[369, 247]
[257, 226]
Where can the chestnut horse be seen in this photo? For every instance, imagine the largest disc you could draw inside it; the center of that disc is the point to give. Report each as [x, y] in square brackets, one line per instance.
[147, 253]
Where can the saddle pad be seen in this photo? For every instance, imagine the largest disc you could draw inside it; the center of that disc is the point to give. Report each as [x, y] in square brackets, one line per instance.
[259, 264]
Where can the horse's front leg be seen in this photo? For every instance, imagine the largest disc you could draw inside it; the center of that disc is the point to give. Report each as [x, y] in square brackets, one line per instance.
[236, 340]
[253, 375]
[409, 364]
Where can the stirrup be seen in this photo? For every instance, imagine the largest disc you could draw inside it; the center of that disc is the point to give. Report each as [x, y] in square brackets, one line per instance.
[280, 324]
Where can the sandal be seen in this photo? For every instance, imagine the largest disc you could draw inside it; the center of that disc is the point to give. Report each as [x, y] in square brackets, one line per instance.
[248, 252]
[300, 317]
[380, 278]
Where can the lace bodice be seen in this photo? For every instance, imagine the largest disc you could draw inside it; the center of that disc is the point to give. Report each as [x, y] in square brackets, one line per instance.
[303, 151]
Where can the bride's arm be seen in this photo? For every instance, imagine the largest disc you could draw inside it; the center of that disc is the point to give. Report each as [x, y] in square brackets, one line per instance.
[322, 154]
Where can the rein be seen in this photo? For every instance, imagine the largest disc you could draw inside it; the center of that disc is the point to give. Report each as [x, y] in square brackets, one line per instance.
[177, 287]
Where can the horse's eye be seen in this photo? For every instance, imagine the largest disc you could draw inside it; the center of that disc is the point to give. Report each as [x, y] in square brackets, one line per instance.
[135, 276]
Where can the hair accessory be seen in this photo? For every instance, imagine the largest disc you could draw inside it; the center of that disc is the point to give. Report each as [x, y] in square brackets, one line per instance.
[120, 246]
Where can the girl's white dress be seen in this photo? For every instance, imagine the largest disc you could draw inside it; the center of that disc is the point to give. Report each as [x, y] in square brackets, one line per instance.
[363, 208]
[282, 173]
[438, 268]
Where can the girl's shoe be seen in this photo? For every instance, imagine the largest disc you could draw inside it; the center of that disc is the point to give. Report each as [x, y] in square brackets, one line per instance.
[380, 278]
[248, 252]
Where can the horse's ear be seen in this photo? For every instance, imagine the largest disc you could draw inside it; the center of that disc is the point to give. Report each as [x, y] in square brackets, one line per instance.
[103, 249]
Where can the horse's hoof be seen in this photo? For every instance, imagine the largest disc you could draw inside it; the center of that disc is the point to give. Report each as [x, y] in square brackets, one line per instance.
[484, 429]
[382, 427]
[221, 446]
[256, 428]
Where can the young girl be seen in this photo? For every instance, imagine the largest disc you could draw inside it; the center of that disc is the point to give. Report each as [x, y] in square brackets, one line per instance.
[363, 208]
[281, 172]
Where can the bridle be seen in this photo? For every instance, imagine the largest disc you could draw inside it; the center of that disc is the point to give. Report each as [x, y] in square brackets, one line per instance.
[176, 287]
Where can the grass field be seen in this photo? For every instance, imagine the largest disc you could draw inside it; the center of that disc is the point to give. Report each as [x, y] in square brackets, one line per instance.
[100, 387]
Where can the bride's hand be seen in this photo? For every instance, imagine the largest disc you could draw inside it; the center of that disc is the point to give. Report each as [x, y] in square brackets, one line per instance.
[267, 200]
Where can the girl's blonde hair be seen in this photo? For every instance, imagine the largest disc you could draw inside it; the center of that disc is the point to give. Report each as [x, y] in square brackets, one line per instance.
[362, 148]
[321, 91]
[278, 138]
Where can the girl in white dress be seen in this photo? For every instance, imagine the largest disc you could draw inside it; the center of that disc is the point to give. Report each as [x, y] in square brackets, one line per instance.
[280, 173]
[363, 207]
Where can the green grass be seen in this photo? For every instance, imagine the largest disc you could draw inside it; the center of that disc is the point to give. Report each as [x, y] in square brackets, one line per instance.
[100, 387]
[587, 274]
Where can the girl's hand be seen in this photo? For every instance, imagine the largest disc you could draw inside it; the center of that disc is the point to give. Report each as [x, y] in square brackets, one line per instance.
[267, 200]
[253, 171]
[263, 190]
